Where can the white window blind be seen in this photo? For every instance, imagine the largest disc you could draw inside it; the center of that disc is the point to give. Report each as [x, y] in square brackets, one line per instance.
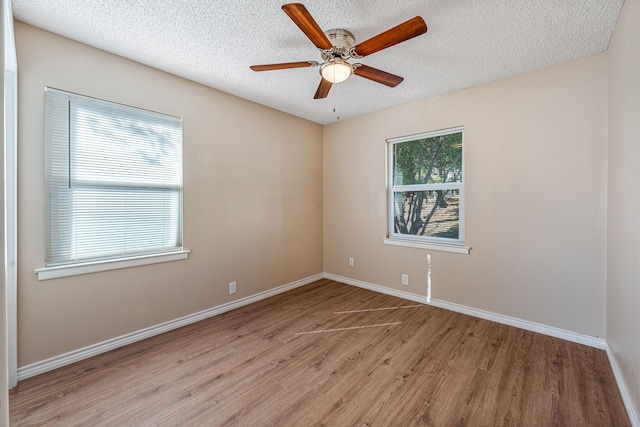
[113, 180]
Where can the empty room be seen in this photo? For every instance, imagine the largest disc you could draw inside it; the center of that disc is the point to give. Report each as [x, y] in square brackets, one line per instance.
[331, 213]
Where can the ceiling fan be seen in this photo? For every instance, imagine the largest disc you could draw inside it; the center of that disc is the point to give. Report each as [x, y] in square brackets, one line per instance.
[337, 46]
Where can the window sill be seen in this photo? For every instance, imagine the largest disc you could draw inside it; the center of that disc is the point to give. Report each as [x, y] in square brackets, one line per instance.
[47, 273]
[444, 247]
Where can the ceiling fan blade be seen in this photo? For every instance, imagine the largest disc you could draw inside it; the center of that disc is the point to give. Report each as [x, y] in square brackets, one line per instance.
[323, 89]
[283, 66]
[303, 19]
[398, 34]
[378, 76]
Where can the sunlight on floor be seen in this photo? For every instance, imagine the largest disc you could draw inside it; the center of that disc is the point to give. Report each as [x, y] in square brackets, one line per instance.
[377, 309]
[348, 329]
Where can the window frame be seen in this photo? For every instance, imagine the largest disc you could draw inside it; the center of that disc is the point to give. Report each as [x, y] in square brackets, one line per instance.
[424, 242]
[151, 255]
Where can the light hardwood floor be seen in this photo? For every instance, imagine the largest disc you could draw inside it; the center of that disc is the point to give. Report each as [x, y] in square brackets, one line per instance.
[335, 355]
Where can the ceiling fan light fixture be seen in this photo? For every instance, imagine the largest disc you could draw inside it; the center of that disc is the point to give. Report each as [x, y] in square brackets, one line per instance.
[337, 46]
[336, 70]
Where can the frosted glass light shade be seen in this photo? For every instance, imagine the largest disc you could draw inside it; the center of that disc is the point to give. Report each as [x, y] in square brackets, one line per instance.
[336, 71]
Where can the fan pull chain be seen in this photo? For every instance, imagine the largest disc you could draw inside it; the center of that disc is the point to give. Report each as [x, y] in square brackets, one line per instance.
[335, 97]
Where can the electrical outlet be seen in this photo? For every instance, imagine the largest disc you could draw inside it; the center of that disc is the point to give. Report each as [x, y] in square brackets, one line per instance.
[405, 279]
[232, 288]
[350, 261]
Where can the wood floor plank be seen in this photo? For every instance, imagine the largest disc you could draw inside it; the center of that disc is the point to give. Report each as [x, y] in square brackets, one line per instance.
[331, 354]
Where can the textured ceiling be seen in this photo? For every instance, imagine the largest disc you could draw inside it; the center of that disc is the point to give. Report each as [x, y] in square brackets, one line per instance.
[214, 42]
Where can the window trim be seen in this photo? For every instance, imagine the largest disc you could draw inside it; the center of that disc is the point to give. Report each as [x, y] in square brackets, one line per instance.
[424, 242]
[411, 243]
[55, 272]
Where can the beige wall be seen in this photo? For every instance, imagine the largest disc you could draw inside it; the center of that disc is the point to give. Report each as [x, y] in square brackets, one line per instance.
[252, 201]
[623, 225]
[535, 153]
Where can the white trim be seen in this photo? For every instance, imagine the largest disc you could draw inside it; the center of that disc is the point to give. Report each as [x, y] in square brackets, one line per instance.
[427, 187]
[55, 272]
[377, 288]
[444, 247]
[494, 317]
[431, 134]
[56, 362]
[551, 331]
[634, 417]
[10, 83]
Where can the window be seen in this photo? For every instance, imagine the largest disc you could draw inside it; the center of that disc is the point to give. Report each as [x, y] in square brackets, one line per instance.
[113, 181]
[426, 189]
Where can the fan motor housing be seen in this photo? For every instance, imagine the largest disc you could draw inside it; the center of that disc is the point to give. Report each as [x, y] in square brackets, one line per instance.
[342, 41]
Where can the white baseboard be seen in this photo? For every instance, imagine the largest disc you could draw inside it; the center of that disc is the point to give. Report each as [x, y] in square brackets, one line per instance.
[552, 331]
[487, 315]
[102, 347]
[377, 288]
[634, 417]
